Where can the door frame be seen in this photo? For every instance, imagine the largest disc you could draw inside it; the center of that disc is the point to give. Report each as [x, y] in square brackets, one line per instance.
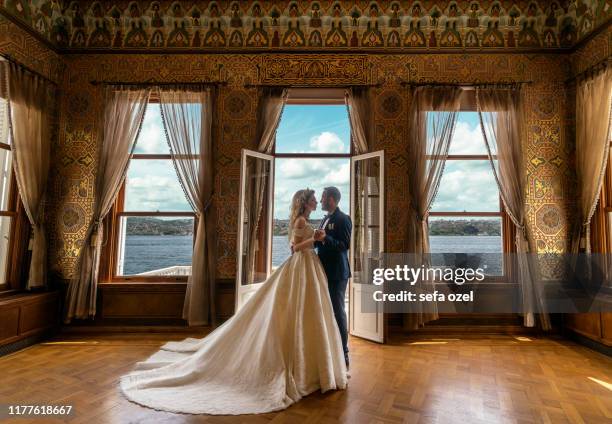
[243, 290]
[381, 324]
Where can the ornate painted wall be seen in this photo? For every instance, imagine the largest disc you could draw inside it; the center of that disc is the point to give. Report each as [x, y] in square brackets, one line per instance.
[306, 25]
[29, 51]
[593, 52]
[546, 151]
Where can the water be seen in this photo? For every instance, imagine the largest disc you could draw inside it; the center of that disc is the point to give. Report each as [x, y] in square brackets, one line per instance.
[147, 253]
[489, 245]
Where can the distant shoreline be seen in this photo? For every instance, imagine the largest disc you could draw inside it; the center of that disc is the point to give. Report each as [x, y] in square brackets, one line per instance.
[143, 226]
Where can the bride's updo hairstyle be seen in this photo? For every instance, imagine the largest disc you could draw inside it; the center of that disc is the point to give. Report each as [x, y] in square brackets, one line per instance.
[298, 205]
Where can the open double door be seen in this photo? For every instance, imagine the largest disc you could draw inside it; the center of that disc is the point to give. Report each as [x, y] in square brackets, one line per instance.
[255, 224]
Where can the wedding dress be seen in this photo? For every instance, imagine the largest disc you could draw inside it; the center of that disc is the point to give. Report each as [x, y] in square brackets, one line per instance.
[282, 344]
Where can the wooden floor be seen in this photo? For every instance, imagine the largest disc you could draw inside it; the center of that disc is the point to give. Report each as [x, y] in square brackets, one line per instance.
[478, 379]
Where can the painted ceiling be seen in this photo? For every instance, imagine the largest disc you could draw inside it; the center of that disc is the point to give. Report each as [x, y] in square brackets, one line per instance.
[312, 25]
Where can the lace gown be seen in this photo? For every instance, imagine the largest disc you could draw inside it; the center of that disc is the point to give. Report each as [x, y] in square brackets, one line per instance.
[281, 345]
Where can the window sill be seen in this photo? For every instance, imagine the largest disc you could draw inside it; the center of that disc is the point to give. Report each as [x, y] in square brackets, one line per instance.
[12, 293]
[109, 285]
[10, 296]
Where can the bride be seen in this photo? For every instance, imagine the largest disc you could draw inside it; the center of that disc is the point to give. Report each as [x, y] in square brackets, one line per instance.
[282, 344]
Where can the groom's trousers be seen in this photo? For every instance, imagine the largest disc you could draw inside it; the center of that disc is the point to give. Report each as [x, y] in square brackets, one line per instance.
[337, 293]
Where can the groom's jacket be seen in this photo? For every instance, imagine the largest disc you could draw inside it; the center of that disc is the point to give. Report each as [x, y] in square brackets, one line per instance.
[333, 251]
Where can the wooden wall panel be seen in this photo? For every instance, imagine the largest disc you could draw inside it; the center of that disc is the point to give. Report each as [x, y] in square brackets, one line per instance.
[9, 322]
[606, 327]
[27, 314]
[588, 325]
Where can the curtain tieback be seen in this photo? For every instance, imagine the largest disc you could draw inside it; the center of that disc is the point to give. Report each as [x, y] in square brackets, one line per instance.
[95, 233]
[208, 203]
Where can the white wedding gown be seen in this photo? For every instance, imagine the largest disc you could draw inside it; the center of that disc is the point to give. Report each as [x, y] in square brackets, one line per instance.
[282, 344]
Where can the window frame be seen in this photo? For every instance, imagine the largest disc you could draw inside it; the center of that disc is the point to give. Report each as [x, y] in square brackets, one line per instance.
[18, 256]
[315, 97]
[111, 242]
[312, 97]
[601, 239]
[508, 229]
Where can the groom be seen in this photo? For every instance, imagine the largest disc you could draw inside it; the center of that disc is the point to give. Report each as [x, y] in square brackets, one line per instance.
[332, 240]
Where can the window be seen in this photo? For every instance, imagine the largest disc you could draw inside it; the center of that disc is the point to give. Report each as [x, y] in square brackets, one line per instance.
[467, 214]
[153, 224]
[14, 226]
[313, 150]
[601, 223]
[6, 212]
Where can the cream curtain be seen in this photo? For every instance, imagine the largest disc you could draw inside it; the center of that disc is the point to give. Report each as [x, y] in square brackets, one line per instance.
[30, 103]
[187, 115]
[593, 99]
[431, 122]
[123, 114]
[271, 104]
[358, 105]
[501, 117]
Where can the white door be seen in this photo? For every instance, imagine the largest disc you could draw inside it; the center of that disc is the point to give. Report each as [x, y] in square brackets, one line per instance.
[254, 224]
[367, 244]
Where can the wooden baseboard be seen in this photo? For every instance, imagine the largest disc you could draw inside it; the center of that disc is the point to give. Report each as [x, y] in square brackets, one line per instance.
[588, 341]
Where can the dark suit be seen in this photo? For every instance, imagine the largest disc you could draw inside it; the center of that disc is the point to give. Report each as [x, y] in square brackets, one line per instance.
[333, 252]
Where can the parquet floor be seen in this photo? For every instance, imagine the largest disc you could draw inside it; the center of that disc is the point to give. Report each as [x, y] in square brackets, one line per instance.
[459, 379]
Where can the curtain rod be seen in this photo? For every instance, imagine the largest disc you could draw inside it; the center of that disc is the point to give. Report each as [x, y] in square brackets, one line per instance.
[312, 86]
[464, 85]
[148, 83]
[9, 58]
[593, 68]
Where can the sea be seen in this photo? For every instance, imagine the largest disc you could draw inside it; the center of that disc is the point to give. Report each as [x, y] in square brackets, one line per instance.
[148, 253]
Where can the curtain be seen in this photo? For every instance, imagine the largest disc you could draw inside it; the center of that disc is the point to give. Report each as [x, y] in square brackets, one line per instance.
[187, 116]
[501, 117]
[431, 121]
[30, 102]
[271, 104]
[593, 99]
[358, 105]
[123, 114]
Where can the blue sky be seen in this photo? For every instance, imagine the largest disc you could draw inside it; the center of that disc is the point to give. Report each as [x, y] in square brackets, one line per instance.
[466, 185]
[312, 129]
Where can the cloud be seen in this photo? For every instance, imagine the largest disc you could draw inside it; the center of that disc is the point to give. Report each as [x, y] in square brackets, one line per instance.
[301, 168]
[152, 185]
[313, 173]
[340, 176]
[152, 138]
[467, 139]
[326, 142]
[469, 186]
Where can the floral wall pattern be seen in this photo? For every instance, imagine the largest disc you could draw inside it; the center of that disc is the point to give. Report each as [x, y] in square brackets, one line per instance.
[308, 25]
